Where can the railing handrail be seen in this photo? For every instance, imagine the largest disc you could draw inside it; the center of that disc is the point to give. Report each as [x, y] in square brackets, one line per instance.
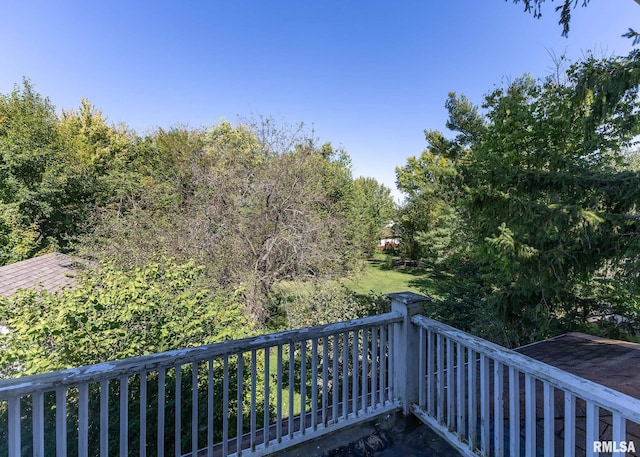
[44, 382]
[603, 396]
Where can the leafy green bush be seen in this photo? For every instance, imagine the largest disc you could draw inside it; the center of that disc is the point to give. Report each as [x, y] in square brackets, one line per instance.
[113, 314]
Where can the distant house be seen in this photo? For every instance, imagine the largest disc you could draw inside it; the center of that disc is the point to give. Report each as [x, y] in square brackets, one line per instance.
[390, 237]
[48, 272]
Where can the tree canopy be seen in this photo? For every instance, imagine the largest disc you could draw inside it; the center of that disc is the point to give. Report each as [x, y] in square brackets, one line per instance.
[547, 200]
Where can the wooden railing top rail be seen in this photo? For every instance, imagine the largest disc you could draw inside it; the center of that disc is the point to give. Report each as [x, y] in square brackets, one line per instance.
[603, 396]
[12, 388]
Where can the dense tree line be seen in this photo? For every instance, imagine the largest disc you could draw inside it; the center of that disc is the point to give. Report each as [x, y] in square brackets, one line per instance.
[192, 236]
[255, 203]
[534, 203]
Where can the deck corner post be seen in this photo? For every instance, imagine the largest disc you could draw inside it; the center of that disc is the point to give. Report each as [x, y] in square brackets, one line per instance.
[406, 341]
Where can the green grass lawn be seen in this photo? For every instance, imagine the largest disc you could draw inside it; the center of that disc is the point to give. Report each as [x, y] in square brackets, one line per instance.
[380, 278]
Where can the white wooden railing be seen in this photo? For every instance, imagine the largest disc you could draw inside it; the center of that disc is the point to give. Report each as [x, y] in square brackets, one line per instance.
[253, 396]
[471, 391]
[258, 396]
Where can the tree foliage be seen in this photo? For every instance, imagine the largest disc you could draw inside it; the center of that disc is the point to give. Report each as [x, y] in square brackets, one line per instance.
[112, 314]
[535, 7]
[372, 208]
[255, 204]
[53, 171]
[548, 200]
[432, 186]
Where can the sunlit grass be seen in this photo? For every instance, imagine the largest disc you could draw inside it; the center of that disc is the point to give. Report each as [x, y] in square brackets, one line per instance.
[380, 276]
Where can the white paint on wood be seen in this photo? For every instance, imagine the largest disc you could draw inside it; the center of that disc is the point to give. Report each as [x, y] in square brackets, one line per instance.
[61, 422]
[38, 424]
[485, 403]
[569, 425]
[549, 419]
[498, 408]
[514, 411]
[45, 382]
[593, 429]
[530, 414]
[461, 429]
[14, 427]
[83, 420]
[605, 397]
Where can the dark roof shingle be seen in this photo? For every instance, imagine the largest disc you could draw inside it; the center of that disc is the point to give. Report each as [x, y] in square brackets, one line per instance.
[50, 272]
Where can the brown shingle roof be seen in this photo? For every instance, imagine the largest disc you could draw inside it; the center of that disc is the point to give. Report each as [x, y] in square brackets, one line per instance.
[50, 272]
[612, 363]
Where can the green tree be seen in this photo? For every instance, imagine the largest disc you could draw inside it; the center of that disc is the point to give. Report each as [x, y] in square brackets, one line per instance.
[112, 314]
[253, 209]
[372, 208]
[53, 171]
[27, 147]
[429, 217]
[551, 211]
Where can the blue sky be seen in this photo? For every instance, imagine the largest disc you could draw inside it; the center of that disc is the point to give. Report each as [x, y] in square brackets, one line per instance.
[368, 76]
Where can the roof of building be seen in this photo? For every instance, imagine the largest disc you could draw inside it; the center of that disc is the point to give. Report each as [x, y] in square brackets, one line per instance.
[49, 272]
[608, 362]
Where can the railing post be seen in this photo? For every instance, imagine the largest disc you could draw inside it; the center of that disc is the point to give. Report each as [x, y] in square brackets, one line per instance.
[406, 341]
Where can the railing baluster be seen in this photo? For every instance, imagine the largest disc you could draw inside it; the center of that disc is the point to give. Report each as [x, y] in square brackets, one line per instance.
[374, 367]
[365, 369]
[530, 414]
[194, 408]
[334, 383]
[266, 381]
[314, 384]
[124, 415]
[456, 394]
[392, 390]
[14, 427]
[354, 373]
[104, 418]
[225, 403]
[38, 423]
[472, 383]
[292, 386]
[430, 374]
[549, 419]
[162, 373]
[239, 396]
[83, 420]
[593, 427]
[384, 351]
[253, 419]
[345, 375]
[619, 433]
[450, 364]
[569, 424]
[423, 383]
[498, 408]
[143, 414]
[210, 408]
[61, 422]
[514, 412]
[325, 379]
[485, 403]
[440, 385]
[279, 394]
[461, 428]
[177, 418]
[303, 386]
